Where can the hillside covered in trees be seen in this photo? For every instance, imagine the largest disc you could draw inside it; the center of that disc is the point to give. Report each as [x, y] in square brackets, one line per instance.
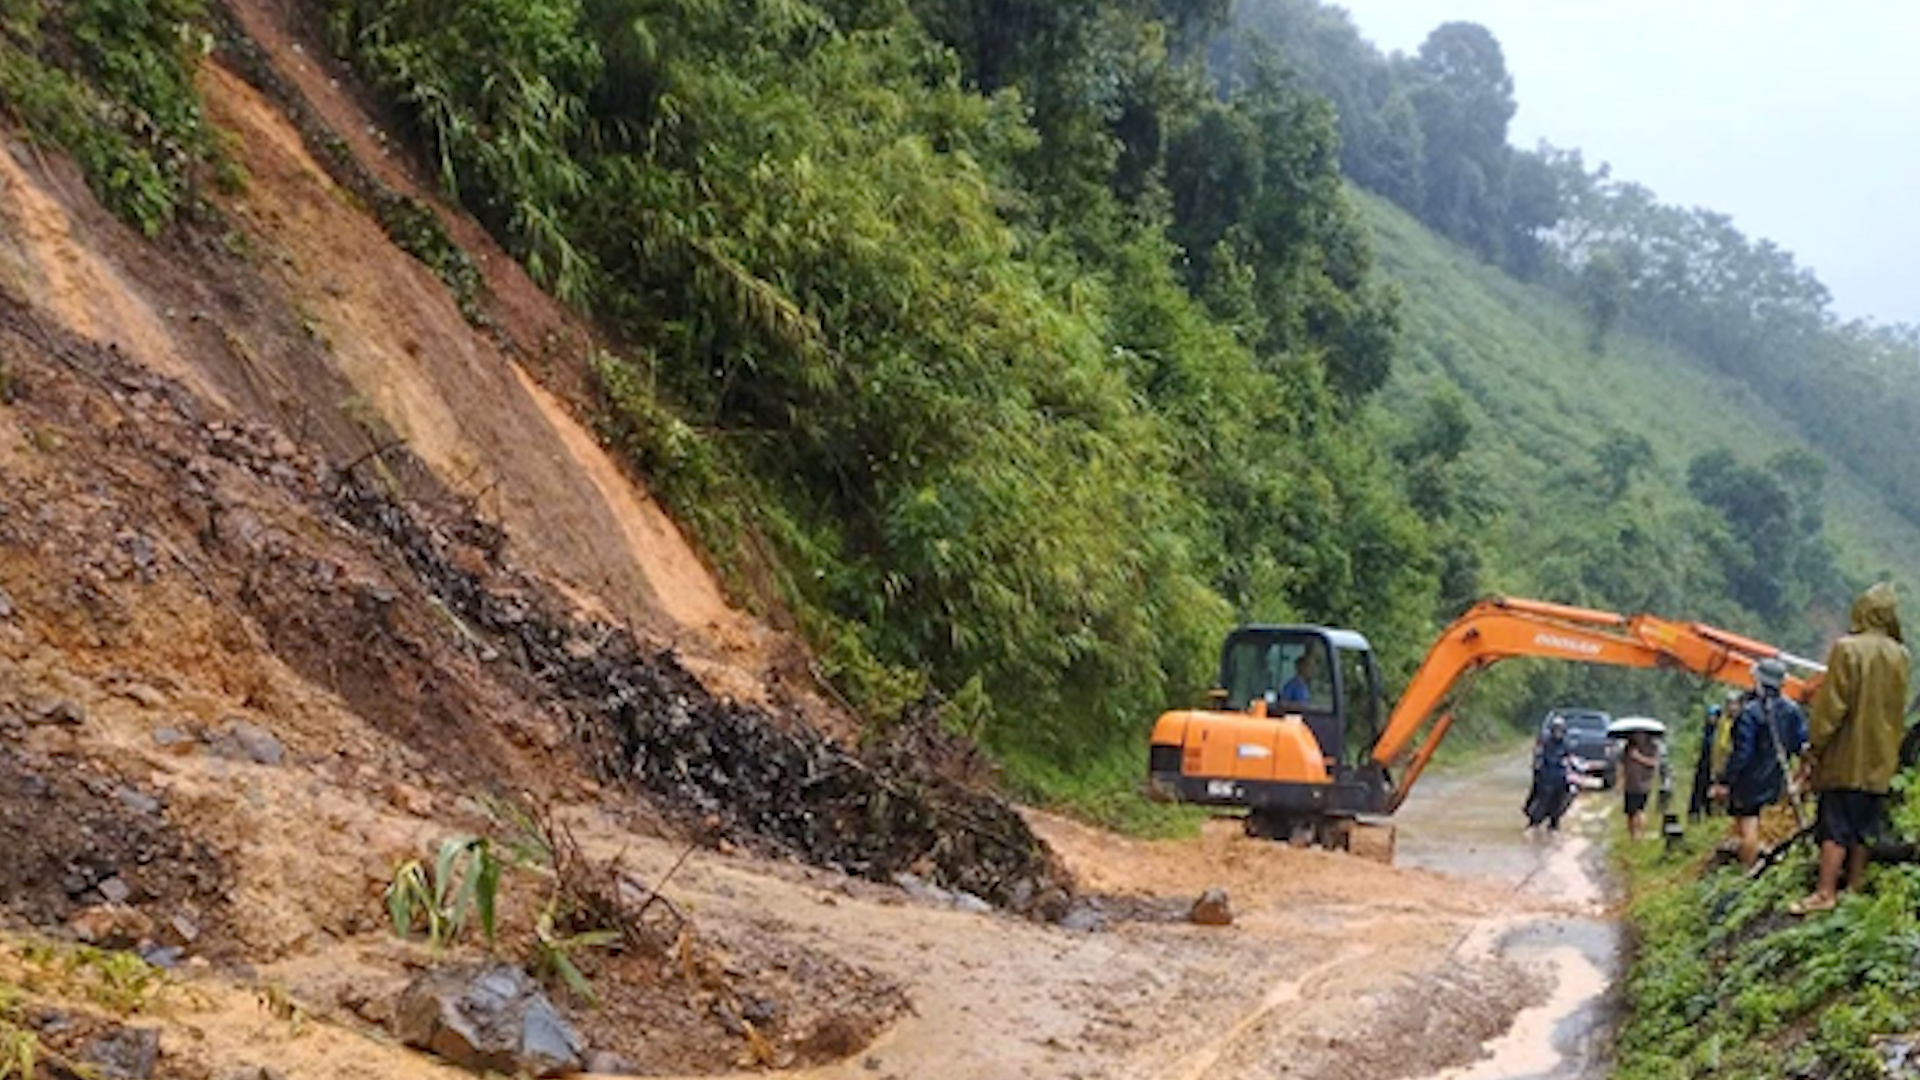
[1428, 133]
[1016, 348]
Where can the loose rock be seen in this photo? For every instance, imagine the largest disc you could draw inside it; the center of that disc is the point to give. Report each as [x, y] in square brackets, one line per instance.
[175, 741]
[1084, 918]
[966, 901]
[490, 1018]
[124, 1053]
[143, 695]
[242, 741]
[137, 801]
[258, 743]
[185, 929]
[163, 956]
[65, 712]
[1212, 909]
[115, 890]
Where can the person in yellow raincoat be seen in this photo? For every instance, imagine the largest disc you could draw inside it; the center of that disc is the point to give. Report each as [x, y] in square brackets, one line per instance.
[1858, 718]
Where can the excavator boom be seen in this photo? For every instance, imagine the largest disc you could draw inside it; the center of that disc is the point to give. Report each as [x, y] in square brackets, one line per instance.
[1500, 628]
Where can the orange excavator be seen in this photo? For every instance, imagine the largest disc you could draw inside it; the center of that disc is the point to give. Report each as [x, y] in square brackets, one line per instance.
[1296, 734]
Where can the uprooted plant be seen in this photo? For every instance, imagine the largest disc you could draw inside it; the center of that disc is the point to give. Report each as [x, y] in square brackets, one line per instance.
[596, 905]
[554, 949]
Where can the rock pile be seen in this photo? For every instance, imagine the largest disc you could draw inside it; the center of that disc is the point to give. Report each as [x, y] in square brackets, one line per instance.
[728, 770]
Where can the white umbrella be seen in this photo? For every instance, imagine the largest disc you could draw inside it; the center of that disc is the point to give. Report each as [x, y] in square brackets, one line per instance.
[1629, 725]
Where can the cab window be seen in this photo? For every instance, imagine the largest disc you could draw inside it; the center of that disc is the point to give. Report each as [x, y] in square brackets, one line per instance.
[1288, 671]
[1357, 674]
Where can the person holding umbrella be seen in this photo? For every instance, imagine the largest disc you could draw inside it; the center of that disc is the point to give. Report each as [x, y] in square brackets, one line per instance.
[1642, 762]
[1639, 764]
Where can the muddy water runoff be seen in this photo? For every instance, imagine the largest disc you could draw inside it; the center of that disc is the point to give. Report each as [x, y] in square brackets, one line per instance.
[1468, 822]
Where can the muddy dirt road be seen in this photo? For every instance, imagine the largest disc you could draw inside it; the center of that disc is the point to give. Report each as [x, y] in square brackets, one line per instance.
[1482, 954]
[1467, 823]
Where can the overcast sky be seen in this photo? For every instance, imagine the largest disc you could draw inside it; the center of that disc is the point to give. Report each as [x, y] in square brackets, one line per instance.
[1801, 119]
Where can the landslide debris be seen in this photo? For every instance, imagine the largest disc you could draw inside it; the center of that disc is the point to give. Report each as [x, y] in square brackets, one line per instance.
[79, 837]
[458, 654]
[723, 769]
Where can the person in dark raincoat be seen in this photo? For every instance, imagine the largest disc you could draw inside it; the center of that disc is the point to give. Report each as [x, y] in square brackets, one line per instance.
[1552, 778]
[1858, 722]
[1768, 731]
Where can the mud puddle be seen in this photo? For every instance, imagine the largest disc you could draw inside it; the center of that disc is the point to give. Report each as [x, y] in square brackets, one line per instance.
[1469, 823]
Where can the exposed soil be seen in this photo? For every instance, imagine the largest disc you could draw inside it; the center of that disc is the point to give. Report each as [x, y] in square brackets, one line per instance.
[304, 569]
[173, 577]
[79, 836]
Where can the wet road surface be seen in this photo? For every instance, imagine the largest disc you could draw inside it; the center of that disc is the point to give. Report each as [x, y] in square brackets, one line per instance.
[1468, 822]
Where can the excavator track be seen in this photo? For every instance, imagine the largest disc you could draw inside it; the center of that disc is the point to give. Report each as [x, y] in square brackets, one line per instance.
[1371, 840]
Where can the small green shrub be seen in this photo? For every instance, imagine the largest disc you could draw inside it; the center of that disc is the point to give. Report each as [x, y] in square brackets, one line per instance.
[111, 82]
[463, 882]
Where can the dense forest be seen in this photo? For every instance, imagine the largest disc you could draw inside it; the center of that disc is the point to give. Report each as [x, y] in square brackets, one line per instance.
[1017, 347]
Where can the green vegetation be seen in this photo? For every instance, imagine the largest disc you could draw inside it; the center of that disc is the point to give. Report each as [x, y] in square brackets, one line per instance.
[1725, 983]
[1427, 131]
[111, 83]
[20, 1051]
[1016, 363]
[1644, 481]
[41, 977]
[585, 910]
[554, 949]
[946, 350]
[463, 882]
[113, 979]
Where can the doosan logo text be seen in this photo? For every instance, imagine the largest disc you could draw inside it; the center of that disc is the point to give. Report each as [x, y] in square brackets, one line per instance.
[1555, 641]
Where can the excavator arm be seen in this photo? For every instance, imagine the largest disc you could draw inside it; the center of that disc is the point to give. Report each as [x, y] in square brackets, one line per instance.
[1500, 628]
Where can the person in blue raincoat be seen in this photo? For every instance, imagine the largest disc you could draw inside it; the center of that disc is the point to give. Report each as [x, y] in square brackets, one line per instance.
[1766, 733]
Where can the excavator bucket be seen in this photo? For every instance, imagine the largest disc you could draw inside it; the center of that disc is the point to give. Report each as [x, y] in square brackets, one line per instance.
[1371, 840]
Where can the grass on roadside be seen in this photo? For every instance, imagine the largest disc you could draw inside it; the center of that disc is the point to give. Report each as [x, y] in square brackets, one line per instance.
[1724, 982]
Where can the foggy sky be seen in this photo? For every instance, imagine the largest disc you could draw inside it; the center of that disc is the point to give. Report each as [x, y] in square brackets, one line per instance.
[1800, 119]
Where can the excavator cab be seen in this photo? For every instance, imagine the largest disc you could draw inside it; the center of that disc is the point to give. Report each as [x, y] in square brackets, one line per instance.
[1325, 676]
[1295, 716]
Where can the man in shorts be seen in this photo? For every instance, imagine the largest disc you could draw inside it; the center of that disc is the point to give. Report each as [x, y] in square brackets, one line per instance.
[1854, 748]
[1768, 730]
[1639, 767]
